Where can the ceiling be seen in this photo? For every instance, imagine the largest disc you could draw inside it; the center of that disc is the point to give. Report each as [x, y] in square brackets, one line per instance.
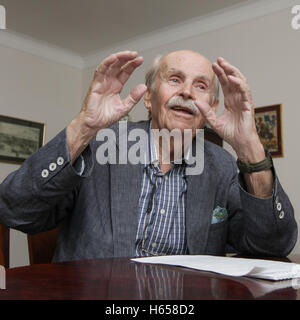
[86, 26]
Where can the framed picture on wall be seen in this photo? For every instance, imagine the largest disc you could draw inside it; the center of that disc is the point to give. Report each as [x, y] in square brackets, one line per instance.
[19, 138]
[269, 128]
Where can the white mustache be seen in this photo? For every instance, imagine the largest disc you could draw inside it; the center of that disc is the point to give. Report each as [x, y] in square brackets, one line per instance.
[178, 101]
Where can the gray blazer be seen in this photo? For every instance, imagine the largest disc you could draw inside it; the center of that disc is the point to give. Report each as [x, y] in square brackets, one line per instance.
[97, 212]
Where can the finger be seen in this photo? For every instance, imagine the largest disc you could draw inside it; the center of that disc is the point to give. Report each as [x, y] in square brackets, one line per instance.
[110, 60]
[240, 86]
[134, 97]
[105, 64]
[122, 59]
[126, 55]
[128, 69]
[229, 69]
[208, 113]
[220, 74]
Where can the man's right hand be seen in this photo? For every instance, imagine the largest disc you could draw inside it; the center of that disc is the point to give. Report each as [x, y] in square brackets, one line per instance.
[103, 105]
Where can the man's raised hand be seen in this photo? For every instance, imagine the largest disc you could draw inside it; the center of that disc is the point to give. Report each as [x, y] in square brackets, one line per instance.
[236, 125]
[103, 105]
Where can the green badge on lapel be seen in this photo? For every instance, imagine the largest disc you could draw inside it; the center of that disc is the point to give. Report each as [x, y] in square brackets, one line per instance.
[219, 215]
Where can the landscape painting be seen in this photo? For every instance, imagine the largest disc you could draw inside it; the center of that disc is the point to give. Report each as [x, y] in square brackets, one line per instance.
[19, 138]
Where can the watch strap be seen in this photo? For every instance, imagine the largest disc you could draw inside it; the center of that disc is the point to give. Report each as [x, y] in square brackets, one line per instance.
[246, 167]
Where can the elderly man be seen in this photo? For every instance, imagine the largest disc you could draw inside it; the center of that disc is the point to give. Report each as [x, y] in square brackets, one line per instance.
[155, 208]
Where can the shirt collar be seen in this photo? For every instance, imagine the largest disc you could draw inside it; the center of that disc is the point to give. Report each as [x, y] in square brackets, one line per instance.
[153, 154]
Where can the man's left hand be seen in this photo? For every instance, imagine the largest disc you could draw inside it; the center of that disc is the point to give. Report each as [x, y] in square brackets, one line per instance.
[236, 125]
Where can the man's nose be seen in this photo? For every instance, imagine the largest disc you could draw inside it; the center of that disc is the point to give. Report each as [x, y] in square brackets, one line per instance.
[187, 90]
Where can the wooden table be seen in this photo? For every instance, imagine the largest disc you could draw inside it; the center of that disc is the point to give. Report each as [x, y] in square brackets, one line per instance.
[122, 279]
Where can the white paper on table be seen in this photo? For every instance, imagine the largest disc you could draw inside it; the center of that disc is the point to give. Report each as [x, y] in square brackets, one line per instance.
[2, 278]
[230, 266]
[261, 287]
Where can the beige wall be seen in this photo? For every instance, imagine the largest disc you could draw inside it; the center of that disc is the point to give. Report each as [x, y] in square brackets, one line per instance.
[266, 49]
[36, 89]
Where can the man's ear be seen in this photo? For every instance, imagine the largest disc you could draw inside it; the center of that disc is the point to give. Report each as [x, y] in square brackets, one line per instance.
[147, 100]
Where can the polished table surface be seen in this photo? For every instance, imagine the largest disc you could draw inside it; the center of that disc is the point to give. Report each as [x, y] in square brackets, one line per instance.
[122, 279]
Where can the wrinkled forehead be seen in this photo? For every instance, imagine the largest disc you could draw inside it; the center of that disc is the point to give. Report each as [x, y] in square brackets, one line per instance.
[187, 62]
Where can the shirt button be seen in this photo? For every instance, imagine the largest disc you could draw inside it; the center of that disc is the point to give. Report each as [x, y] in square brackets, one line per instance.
[52, 166]
[162, 211]
[153, 245]
[60, 161]
[45, 173]
[281, 215]
[166, 177]
[276, 199]
[278, 206]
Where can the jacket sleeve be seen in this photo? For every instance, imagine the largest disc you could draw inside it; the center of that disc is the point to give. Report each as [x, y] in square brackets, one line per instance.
[260, 226]
[41, 192]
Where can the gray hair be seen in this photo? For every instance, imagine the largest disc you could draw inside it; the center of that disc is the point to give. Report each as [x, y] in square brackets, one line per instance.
[152, 72]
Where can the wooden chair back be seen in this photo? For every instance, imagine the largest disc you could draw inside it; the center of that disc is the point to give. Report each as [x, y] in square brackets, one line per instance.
[41, 246]
[4, 246]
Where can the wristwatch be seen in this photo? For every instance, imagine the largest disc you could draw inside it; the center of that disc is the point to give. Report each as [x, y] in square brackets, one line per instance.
[246, 167]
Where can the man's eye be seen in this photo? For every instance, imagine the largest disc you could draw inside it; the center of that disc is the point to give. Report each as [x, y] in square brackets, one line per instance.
[201, 86]
[174, 80]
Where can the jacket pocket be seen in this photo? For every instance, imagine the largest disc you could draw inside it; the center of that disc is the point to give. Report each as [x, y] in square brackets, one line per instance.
[217, 238]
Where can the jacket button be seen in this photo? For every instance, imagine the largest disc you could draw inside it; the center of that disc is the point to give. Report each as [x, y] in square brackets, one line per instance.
[52, 166]
[45, 173]
[60, 161]
[281, 215]
[279, 206]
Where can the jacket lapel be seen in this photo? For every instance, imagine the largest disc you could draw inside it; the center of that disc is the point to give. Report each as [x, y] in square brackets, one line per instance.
[200, 202]
[125, 189]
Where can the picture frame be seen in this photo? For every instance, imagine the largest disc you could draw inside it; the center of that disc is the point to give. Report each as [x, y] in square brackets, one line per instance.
[268, 121]
[19, 138]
